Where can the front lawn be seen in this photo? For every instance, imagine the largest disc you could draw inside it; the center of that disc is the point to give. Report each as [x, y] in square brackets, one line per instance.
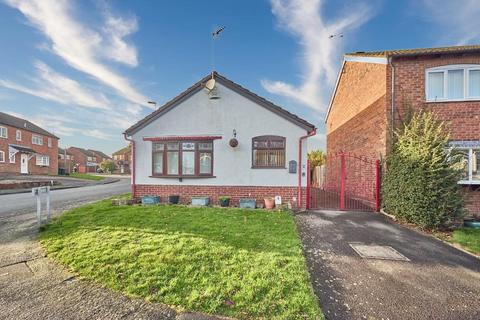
[468, 238]
[86, 176]
[241, 263]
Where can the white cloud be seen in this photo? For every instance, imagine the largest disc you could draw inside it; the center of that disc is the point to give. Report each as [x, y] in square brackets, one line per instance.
[117, 49]
[320, 56]
[55, 87]
[82, 47]
[95, 133]
[458, 19]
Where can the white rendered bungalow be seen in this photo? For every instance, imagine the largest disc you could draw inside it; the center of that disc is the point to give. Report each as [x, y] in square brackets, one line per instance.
[226, 141]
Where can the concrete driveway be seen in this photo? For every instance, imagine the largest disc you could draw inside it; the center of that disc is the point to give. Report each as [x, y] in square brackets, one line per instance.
[439, 282]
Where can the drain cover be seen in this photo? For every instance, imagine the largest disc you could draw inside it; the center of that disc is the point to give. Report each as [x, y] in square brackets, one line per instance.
[377, 252]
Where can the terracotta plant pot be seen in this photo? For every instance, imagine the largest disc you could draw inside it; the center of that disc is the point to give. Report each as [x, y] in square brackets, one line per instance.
[269, 203]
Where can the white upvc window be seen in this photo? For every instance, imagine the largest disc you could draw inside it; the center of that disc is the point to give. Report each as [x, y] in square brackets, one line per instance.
[2, 156]
[11, 157]
[452, 83]
[18, 135]
[471, 160]
[3, 132]
[89, 159]
[43, 160]
[49, 142]
[38, 140]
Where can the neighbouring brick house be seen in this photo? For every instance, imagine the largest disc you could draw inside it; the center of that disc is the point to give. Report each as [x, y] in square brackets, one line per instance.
[218, 138]
[25, 148]
[87, 160]
[66, 161]
[122, 159]
[374, 90]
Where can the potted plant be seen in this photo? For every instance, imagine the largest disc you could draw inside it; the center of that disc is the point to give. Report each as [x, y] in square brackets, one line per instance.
[269, 203]
[173, 199]
[224, 201]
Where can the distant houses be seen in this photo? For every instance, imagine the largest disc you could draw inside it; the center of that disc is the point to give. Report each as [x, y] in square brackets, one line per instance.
[87, 160]
[25, 148]
[122, 159]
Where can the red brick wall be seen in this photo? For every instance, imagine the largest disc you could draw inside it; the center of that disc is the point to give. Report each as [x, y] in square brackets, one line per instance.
[186, 192]
[365, 134]
[461, 118]
[52, 152]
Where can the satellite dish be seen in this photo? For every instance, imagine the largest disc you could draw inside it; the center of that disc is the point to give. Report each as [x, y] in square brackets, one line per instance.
[210, 85]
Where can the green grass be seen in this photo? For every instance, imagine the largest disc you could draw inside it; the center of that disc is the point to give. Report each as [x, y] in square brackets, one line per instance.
[86, 176]
[468, 238]
[241, 263]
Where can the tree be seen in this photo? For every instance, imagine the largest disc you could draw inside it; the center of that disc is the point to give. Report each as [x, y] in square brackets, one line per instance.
[107, 166]
[422, 170]
[317, 158]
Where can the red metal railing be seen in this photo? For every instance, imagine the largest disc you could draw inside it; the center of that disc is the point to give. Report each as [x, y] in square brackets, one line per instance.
[348, 182]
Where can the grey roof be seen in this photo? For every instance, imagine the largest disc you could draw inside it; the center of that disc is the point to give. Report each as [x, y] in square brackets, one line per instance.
[100, 153]
[231, 85]
[417, 52]
[62, 151]
[22, 148]
[20, 123]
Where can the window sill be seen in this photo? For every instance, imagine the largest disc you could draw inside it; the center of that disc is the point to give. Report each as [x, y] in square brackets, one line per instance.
[453, 100]
[469, 183]
[268, 167]
[182, 177]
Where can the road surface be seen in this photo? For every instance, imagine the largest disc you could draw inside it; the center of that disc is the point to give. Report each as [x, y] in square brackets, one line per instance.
[14, 204]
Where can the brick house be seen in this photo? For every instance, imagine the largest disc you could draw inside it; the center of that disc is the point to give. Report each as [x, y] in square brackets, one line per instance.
[122, 159]
[87, 160]
[374, 90]
[25, 148]
[218, 138]
[66, 160]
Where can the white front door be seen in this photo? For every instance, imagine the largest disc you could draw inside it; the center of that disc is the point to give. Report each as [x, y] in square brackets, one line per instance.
[24, 163]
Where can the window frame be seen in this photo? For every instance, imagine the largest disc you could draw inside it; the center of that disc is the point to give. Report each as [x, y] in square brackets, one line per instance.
[39, 138]
[18, 135]
[12, 157]
[6, 132]
[49, 142]
[197, 151]
[470, 180]
[466, 81]
[269, 138]
[2, 160]
[42, 163]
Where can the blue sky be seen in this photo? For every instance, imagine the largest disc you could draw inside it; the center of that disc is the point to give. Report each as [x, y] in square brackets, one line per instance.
[86, 69]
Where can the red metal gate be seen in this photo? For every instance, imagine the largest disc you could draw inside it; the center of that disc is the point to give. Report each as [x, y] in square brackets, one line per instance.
[347, 182]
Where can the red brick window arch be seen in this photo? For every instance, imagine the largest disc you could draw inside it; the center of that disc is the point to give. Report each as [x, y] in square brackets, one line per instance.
[268, 152]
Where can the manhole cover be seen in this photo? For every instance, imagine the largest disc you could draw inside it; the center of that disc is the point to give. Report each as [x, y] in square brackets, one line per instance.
[377, 252]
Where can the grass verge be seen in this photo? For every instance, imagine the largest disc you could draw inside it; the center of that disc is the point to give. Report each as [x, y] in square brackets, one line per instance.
[241, 263]
[468, 238]
[86, 176]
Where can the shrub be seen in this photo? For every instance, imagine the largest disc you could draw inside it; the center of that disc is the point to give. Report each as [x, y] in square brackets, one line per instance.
[317, 158]
[420, 183]
[107, 166]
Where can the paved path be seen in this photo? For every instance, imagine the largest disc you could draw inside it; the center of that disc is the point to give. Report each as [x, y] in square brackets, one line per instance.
[439, 282]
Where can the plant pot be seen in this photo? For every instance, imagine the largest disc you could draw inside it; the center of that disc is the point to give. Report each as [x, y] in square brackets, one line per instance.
[248, 203]
[269, 203]
[224, 202]
[200, 201]
[173, 199]
[149, 200]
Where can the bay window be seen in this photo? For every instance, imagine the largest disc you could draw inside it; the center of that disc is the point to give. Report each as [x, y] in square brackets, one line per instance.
[268, 152]
[470, 151]
[182, 158]
[453, 83]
